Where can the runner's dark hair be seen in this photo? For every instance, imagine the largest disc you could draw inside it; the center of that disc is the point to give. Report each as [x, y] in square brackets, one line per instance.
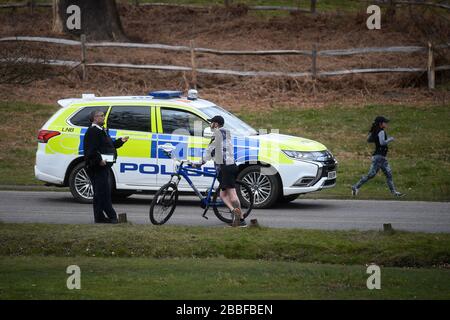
[375, 128]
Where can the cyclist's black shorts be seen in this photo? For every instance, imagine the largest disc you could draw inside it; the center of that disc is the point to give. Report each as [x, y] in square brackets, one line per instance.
[227, 176]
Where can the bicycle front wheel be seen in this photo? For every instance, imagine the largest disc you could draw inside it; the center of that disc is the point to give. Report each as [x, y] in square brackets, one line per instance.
[164, 203]
[221, 210]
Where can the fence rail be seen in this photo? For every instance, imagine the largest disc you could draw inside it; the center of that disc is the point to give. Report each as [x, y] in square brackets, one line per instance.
[71, 63]
[312, 8]
[430, 67]
[31, 3]
[340, 52]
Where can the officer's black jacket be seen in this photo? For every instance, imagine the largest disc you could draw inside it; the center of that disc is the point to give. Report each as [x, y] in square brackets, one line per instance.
[97, 142]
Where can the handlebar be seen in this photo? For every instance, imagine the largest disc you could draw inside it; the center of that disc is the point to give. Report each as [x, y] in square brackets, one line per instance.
[188, 162]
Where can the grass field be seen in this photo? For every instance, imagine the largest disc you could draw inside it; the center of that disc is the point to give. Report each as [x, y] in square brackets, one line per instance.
[147, 262]
[216, 278]
[419, 156]
[400, 249]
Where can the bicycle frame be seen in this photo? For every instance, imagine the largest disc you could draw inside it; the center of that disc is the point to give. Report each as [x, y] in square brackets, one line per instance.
[183, 172]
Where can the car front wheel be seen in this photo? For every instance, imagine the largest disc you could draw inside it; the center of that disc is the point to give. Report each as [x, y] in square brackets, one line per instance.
[265, 188]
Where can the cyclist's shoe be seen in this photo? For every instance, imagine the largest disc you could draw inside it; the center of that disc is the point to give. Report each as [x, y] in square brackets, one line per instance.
[354, 191]
[243, 224]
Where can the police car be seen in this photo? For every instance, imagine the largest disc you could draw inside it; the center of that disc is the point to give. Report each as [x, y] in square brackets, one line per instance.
[278, 167]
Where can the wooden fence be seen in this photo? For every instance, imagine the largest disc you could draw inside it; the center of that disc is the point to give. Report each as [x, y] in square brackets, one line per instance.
[33, 4]
[312, 5]
[429, 65]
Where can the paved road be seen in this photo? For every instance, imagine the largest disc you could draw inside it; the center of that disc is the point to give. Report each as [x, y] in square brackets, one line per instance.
[59, 207]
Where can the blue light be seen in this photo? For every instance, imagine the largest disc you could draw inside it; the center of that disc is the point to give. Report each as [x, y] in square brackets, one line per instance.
[166, 94]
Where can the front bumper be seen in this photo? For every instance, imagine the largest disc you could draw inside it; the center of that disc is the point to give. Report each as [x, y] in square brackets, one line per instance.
[310, 176]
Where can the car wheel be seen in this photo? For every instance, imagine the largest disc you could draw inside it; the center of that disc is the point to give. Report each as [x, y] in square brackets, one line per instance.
[80, 185]
[265, 188]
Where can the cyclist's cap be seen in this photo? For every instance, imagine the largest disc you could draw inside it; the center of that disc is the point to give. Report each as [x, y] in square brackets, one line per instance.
[381, 119]
[218, 119]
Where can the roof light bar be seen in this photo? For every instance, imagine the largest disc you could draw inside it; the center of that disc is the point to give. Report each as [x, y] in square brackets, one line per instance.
[166, 94]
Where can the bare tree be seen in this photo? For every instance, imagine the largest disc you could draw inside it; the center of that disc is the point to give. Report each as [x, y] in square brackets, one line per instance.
[100, 19]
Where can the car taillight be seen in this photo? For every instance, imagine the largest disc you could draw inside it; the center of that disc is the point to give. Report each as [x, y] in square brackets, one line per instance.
[45, 135]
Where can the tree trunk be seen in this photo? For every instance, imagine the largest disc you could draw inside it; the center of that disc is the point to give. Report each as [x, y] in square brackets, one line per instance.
[99, 19]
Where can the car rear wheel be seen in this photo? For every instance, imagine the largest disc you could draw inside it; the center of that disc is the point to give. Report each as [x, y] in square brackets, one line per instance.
[83, 191]
[80, 185]
[265, 188]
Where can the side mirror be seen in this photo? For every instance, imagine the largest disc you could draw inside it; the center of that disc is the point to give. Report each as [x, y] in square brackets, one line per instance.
[207, 133]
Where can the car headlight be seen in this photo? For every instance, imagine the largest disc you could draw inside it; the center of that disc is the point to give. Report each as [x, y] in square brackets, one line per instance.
[309, 155]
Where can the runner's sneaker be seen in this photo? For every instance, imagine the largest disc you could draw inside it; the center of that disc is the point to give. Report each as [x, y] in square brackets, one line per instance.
[354, 191]
[398, 194]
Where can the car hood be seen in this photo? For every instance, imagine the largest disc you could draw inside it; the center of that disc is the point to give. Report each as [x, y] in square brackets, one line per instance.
[287, 142]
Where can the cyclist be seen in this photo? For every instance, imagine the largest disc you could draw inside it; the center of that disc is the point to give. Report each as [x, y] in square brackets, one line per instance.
[221, 150]
[378, 136]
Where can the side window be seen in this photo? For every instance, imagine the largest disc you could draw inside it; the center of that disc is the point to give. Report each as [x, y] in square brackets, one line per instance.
[136, 118]
[185, 123]
[81, 118]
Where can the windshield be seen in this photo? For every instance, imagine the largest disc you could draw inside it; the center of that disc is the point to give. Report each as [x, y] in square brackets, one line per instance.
[233, 123]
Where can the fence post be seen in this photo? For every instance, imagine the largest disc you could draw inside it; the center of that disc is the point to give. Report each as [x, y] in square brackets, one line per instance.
[314, 68]
[227, 3]
[313, 6]
[31, 4]
[430, 67]
[83, 57]
[314, 61]
[194, 67]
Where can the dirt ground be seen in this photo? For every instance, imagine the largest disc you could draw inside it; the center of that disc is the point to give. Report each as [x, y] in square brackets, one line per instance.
[238, 30]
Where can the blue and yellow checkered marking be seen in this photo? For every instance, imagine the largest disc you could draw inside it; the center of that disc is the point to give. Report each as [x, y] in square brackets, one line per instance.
[245, 149]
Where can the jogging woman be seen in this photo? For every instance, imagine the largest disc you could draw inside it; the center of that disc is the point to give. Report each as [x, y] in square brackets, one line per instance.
[378, 136]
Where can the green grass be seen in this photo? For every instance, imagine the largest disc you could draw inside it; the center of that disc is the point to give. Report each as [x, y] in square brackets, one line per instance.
[19, 127]
[147, 262]
[218, 278]
[401, 249]
[419, 157]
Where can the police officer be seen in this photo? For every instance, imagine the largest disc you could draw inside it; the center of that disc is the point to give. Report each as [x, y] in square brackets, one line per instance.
[99, 150]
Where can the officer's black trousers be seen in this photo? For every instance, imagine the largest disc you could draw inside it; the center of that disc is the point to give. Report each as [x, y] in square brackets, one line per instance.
[102, 194]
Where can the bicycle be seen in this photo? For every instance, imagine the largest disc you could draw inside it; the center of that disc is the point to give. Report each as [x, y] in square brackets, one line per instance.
[165, 200]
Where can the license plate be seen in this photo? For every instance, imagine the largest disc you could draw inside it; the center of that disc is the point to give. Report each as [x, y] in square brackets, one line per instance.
[332, 175]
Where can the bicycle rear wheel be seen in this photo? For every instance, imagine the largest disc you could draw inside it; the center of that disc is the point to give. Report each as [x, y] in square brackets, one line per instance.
[221, 210]
[164, 203]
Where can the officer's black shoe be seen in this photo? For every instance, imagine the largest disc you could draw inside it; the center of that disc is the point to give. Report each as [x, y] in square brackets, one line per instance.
[104, 220]
[113, 221]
